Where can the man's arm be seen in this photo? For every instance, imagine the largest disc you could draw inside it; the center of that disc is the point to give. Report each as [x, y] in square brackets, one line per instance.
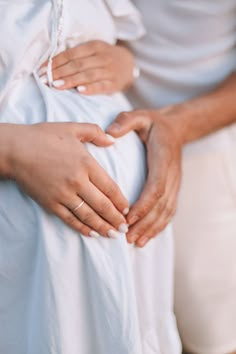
[165, 131]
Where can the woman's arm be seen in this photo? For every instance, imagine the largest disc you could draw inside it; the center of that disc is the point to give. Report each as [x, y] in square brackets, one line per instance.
[165, 131]
[51, 164]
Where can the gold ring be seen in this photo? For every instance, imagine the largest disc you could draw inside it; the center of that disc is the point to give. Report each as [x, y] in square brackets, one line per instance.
[78, 206]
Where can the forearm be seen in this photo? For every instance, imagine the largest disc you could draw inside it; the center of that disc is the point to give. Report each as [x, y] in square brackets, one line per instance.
[206, 114]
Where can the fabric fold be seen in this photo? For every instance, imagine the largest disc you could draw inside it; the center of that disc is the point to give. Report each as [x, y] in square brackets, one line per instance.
[128, 20]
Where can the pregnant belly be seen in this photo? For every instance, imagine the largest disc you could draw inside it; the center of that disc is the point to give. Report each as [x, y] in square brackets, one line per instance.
[31, 102]
[27, 232]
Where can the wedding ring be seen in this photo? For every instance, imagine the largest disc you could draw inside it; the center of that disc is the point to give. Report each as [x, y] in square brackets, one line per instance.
[78, 206]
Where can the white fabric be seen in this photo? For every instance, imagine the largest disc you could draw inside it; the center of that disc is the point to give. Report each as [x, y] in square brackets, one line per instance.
[190, 47]
[62, 293]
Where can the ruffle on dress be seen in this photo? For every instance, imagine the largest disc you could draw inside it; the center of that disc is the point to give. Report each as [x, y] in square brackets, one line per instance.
[127, 19]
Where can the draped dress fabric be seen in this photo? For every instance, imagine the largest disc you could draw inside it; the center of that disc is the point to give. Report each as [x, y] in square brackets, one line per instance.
[189, 49]
[60, 292]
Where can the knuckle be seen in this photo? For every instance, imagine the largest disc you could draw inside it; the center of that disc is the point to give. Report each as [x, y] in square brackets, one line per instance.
[124, 115]
[71, 220]
[102, 228]
[97, 129]
[88, 218]
[104, 207]
[79, 179]
[143, 210]
[158, 191]
[111, 190]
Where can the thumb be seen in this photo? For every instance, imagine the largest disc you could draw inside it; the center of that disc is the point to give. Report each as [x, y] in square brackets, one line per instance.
[92, 133]
[129, 121]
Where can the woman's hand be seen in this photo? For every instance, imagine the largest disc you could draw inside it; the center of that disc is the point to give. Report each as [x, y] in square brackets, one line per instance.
[93, 68]
[51, 164]
[157, 203]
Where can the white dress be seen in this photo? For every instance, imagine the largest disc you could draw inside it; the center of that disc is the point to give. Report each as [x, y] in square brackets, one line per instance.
[60, 292]
[190, 48]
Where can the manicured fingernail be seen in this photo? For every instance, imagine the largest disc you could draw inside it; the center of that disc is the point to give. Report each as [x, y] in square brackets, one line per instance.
[58, 83]
[111, 138]
[81, 89]
[42, 71]
[133, 219]
[143, 241]
[113, 234]
[44, 79]
[124, 228]
[94, 234]
[126, 211]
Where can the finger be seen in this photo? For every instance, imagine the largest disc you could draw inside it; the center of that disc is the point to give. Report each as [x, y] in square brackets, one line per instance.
[108, 187]
[94, 221]
[128, 121]
[82, 79]
[92, 133]
[78, 66]
[81, 51]
[158, 218]
[153, 232]
[71, 220]
[153, 191]
[105, 209]
[104, 87]
[147, 228]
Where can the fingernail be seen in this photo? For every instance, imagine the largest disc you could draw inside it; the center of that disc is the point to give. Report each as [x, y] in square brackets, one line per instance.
[42, 71]
[113, 234]
[44, 79]
[111, 138]
[58, 83]
[81, 89]
[143, 241]
[94, 234]
[115, 127]
[133, 219]
[126, 211]
[123, 228]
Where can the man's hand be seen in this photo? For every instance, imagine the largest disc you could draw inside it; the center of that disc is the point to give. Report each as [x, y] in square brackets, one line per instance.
[93, 68]
[157, 203]
[51, 164]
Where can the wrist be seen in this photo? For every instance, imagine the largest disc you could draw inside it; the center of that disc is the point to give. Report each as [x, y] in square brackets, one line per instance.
[8, 134]
[180, 118]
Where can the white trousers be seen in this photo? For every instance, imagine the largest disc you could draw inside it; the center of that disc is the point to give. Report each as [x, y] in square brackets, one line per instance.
[205, 237]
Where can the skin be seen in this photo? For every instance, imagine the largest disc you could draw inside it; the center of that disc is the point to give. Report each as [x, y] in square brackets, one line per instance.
[165, 132]
[95, 66]
[50, 163]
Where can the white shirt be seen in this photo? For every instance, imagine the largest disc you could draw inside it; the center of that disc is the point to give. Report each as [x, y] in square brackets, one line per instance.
[190, 47]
